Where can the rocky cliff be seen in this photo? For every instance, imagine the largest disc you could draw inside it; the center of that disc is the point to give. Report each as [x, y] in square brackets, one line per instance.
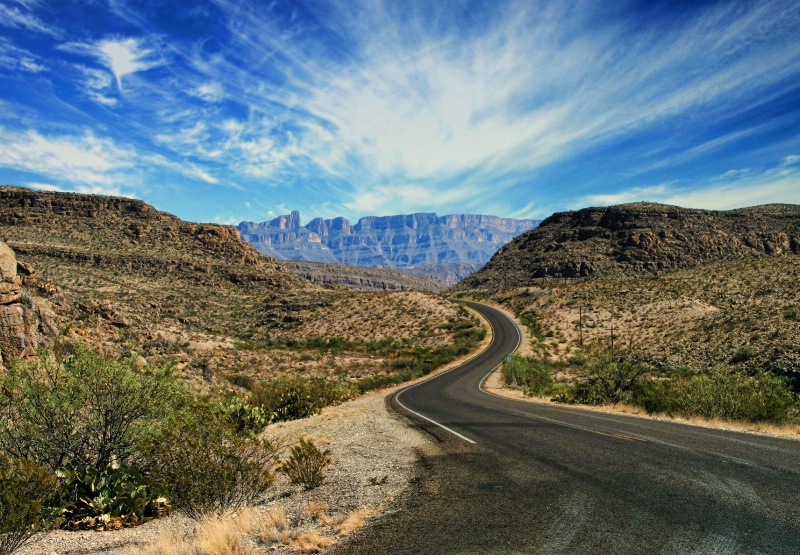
[639, 239]
[27, 321]
[401, 242]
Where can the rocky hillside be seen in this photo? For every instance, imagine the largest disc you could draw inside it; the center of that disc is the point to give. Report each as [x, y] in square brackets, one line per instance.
[639, 239]
[363, 279]
[449, 274]
[679, 289]
[400, 242]
[126, 277]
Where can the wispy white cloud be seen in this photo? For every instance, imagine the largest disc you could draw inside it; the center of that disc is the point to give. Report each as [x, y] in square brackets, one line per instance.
[419, 99]
[13, 57]
[779, 184]
[84, 189]
[122, 56]
[12, 16]
[210, 92]
[80, 159]
[189, 170]
[125, 56]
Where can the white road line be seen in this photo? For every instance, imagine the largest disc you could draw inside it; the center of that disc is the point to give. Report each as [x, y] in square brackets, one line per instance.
[465, 438]
[432, 421]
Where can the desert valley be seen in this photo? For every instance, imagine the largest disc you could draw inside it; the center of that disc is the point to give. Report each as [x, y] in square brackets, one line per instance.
[647, 308]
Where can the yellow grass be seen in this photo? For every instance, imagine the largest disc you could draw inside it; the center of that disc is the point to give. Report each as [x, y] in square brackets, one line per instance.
[354, 521]
[310, 542]
[225, 535]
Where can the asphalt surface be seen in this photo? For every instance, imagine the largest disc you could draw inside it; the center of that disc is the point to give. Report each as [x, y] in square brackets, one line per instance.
[515, 477]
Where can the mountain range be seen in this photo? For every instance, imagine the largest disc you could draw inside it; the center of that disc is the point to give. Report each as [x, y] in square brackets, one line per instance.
[404, 242]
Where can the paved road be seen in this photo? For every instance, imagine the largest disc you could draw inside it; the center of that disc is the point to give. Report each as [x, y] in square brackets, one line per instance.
[514, 477]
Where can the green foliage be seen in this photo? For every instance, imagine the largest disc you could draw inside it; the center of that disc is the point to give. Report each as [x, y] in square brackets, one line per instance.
[26, 491]
[243, 416]
[743, 355]
[534, 376]
[95, 498]
[721, 394]
[608, 378]
[292, 398]
[791, 314]
[306, 464]
[202, 465]
[85, 409]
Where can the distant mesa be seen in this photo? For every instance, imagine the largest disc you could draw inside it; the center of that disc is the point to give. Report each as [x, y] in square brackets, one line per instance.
[638, 239]
[424, 243]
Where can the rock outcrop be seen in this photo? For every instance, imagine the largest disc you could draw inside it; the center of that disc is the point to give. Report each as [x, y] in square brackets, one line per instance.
[639, 239]
[397, 242]
[26, 321]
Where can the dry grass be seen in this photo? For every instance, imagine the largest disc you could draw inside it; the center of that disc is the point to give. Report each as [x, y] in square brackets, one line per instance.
[310, 542]
[354, 521]
[225, 535]
[274, 527]
[319, 510]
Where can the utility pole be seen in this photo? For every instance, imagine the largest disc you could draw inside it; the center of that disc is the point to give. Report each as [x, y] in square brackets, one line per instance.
[580, 323]
[612, 339]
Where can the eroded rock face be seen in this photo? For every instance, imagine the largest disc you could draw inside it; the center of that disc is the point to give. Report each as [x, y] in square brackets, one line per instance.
[10, 282]
[401, 242]
[26, 322]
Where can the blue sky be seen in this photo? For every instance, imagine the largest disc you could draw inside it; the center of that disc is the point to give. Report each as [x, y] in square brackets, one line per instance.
[222, 110]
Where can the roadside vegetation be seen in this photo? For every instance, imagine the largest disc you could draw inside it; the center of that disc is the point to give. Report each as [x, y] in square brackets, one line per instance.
[93, 442]
[717, 341]
[89, 442]
[596, 377]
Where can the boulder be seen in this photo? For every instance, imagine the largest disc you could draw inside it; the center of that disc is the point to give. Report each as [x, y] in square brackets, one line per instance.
[10, 282]
[14, 338]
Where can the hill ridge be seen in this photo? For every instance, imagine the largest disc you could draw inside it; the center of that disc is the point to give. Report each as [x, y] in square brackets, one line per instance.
[638, 239]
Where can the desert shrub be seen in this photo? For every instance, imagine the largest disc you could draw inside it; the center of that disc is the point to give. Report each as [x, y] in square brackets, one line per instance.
[742, 355]
[85, 409]
[608, 378]
[293, 398]
[26, 493]
[244, 417]
[203, 466]
[106, 499]
[306, 464]
[534, 376]
[721, 394]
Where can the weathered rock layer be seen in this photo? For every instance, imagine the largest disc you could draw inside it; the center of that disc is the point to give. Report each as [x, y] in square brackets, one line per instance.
[401, 242]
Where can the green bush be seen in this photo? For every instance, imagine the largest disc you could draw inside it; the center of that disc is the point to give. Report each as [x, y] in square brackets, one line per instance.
[306, 464]
[721, 394]
[86, 409]
[608, 378]
[203, 466]
[106, 498]
[244, 416]
[534, 376]
[743, 355]
[292, 398]
[26, 492]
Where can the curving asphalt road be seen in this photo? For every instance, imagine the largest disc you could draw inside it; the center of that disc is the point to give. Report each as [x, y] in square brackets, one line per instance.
[515, 477]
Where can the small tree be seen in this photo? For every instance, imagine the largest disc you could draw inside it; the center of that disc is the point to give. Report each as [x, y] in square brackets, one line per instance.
[86, 409]
[608, 379]
[204, 466]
